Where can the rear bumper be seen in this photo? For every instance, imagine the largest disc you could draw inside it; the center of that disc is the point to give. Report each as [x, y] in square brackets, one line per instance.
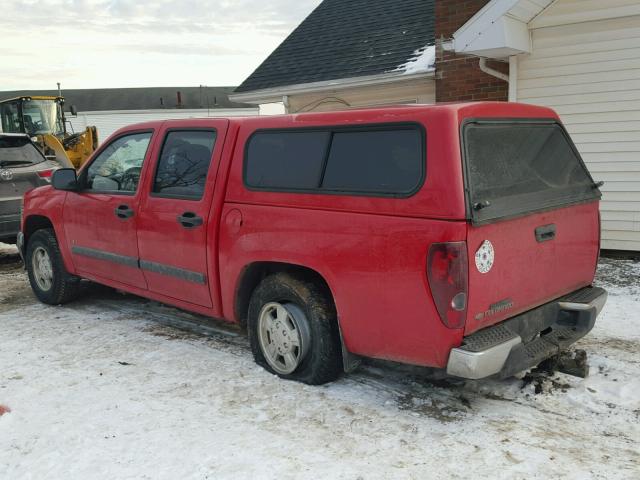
[524, 341]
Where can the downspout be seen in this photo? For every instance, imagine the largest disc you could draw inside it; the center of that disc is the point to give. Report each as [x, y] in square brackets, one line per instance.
[285, 102]
[491, 71]
[513, 78]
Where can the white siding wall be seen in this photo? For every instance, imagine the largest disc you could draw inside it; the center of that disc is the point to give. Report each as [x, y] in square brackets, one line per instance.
[109, 121]
[589, 72]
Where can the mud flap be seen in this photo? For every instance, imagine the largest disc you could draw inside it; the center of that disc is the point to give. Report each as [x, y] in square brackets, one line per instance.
[349, 361]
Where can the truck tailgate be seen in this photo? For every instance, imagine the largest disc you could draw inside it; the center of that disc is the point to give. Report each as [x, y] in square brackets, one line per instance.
[529, 268]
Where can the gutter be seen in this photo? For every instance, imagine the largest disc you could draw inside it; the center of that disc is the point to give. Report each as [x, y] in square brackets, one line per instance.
[276, 94]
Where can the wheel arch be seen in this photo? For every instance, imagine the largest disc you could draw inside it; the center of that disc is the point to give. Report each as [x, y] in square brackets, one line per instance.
[253, 273]
[36, 221]
[32, 224]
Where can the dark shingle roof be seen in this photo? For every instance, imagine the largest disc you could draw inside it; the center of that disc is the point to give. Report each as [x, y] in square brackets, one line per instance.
[101, 99]
[348, 38]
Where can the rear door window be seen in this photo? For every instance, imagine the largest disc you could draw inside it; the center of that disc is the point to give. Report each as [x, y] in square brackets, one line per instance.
[184, 164]
[515, 168]
[374, 161]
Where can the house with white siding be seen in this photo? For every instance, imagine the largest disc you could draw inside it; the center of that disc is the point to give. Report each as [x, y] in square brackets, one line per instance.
[580, 57]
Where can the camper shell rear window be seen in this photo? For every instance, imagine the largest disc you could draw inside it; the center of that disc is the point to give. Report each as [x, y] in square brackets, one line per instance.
[515, 167]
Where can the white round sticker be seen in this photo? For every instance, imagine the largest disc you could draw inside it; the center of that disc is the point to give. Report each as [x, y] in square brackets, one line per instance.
[484, 257]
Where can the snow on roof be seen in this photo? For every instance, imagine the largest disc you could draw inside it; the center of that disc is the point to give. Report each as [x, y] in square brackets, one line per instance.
[424, 60]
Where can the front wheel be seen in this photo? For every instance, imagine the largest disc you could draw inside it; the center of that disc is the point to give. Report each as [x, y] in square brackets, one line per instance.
[49, 280]
[293, 330]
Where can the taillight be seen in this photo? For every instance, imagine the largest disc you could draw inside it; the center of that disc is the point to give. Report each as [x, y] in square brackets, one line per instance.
[447, 270]
[46, 174]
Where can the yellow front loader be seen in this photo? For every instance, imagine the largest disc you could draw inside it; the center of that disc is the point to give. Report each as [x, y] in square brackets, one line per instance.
[43, 118]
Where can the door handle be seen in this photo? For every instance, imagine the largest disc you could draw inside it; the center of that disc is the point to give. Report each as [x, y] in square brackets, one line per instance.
[123, 212]
[189, 220]
[546, 233]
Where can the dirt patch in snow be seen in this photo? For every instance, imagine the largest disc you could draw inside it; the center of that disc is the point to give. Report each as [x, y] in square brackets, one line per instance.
[439, 410]
[8, 255]
[621, 344]
[619, 275]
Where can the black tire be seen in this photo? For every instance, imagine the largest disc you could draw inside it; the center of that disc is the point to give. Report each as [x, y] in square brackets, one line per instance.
[323, 360]
[64, 287]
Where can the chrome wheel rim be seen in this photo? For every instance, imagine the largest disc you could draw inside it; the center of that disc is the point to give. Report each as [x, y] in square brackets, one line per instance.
[283, 333]
[42, 269]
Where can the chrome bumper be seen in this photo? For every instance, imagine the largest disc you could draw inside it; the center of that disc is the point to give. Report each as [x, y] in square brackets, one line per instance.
[476, 365]
[501, 349]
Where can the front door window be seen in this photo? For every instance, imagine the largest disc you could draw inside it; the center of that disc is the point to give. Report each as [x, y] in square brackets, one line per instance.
[117, 168]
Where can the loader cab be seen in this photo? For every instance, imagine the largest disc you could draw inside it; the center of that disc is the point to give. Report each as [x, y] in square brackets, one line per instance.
[43, 119]
[33, 115]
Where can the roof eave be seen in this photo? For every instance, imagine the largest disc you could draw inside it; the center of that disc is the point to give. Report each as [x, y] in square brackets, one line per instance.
[276, 94]
[500, 29]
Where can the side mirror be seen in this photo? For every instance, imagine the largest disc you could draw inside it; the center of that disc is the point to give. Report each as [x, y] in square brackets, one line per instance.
[65, 179]
[73, 110]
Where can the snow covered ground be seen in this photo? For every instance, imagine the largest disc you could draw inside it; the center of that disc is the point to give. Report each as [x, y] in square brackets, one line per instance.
[103, 388]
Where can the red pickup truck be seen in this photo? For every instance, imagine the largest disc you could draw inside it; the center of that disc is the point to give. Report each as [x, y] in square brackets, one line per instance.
[463, 237]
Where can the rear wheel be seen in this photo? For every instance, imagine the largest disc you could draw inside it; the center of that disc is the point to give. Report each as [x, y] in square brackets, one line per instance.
[293, 329]
[49, 280]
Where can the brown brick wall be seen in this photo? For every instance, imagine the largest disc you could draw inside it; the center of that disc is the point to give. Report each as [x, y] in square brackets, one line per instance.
[458, 77]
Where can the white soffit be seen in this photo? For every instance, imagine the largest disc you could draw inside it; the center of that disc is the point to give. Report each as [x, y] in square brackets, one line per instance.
[499, 29]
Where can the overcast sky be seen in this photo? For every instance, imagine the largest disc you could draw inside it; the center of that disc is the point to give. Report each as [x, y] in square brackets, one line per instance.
[127, 43]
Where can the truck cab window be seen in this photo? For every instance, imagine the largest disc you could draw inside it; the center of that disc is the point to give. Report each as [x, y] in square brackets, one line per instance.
[184, 164]
[117, 168]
